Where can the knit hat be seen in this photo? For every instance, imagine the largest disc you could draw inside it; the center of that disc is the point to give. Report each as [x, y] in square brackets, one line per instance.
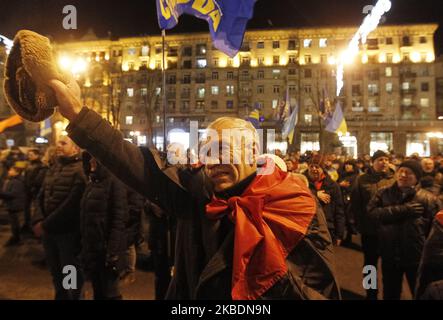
[378, 154]
[29, 67]
[414, 166]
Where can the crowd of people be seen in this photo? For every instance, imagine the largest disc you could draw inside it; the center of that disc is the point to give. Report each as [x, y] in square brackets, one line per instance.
[88, 218]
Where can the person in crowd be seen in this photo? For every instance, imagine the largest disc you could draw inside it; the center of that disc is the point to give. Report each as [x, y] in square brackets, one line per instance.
[59, 221]
[34, 174]
[329, 196]
[104, 212]
[366, 186]
[430, 272]
[232, 221]
[362, 166]
[330, 168]
[347, 176]
[404, 214]
[13, 194]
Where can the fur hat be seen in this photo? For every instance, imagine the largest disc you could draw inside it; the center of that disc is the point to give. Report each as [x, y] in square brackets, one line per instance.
[29, 67]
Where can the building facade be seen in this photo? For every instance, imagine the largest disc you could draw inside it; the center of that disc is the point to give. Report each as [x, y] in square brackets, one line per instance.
[390, 97]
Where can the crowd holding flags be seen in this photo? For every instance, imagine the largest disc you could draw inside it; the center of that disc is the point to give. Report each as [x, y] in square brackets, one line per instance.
[227, 19]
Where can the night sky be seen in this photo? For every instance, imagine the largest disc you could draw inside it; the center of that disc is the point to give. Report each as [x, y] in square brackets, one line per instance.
[137, 17]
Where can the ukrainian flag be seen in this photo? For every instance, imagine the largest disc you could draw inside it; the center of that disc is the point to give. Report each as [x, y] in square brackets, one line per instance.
[254, 118]
[337, 123]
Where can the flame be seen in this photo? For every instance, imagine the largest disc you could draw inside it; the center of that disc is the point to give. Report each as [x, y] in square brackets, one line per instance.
[8, 43]
[370, 23]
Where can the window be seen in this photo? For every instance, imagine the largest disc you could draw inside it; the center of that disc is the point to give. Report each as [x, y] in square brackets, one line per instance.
[230, 75]
[292, 45]
[407, 102]
[406, 57]
[187, 64]
[274, 104]
[275, 44]
[372, 105]
[200, 105]
[372, 44]
[292, 72]
[425, 86]
[292, 89]
[292, 59]
[229, 104]
[215, 62]
[307, 43]
[424, 102]
[356, 90]
[230, 90]
[418, 143]
[372, 89]
[261, 74]
[323, 43]
[158, 50]
[158, 91]
[201, 49]
[214, 104]
[187, 78]
[215, 90]
[323, 58]
[172, 79]
[131, 51]
[260, 61]
[406, 41]
[308, 59]
[389, 57]
[200, 78]
[260, 45]
[423, 40]
[388, 72]
[308, 118]
[308, 88]
[260, 89]
[215, 76]
[276, 73]
[276, 59]
[201, 93]
[308, 73]
[389, 41]
[145, 51]
[276, 89]
[245, 61]
[405, 85]
[201, 63]
[130, 92]
[187, 51]
[381, 141]
[389, 87]
[144, 92]
[129, 120]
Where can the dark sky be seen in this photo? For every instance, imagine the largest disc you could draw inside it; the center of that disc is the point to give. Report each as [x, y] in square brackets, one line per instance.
[136, 17]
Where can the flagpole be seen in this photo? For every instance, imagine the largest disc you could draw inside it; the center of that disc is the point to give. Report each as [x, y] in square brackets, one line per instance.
[164, 88]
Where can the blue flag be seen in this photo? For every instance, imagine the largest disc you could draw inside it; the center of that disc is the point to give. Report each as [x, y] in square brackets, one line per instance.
[337, 122]
[289, 125]
[227, 19]
[254, 118]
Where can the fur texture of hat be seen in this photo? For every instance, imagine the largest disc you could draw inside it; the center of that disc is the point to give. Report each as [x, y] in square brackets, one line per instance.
[29, 67]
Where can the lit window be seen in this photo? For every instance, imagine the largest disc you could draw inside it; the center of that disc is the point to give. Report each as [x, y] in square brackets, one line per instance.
[131, 51]
[157, 119]
[274, 104]
[307, 43]
[158, 91]
[388, 72]
[424, 102]
[130, 92]
[145, 51]
[201, 63]
[230, 90]
[308, 118]
[323, 43]
[405, 85]
[129, 120]
[201, 92]
[214, 90]
[144, 92]
[389, 87]
[260, 45]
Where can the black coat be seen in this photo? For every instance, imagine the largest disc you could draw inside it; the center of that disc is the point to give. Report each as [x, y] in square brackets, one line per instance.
[334, 210]
[365, 187]
[34, 175]
[13, 194]
[104, 213]
[203, 265]
[430, 272]
[134, 227]
[60, 196]
[401, 233]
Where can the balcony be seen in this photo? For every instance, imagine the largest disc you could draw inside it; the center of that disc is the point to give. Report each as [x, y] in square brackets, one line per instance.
[357, 109]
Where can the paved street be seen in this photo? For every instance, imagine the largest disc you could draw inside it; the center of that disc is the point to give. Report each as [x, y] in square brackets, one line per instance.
[21, 278]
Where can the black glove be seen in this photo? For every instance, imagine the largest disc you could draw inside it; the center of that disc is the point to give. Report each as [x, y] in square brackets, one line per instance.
[415, 209]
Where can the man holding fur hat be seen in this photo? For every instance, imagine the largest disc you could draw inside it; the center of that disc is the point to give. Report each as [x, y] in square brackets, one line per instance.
[403, 213]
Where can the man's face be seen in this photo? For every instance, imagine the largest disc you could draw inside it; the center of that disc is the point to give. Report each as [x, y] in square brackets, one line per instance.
[349, 168]
[315, 172]
[65, 147]
[406, 178]
[289, 165]
[381, 164]
[32, 156]
[427, 165]
[12, 173]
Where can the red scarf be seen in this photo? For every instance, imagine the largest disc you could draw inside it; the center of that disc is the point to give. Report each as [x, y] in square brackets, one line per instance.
[271, 217]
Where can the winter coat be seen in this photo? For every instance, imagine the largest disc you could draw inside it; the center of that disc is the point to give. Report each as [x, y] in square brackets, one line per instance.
[134, 228]
[104, 213]
[60, 196]
[334, 210]
[34, 176]
[401, 233]
[365, 187]
[204, 247]
[13, 194]
[430, 272]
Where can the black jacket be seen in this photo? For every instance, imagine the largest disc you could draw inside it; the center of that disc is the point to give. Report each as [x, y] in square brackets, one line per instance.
[104, 213]
[365, 187]
[430, 272]
[401, 233]
[334, 210]
[13, 194]
[203, 246]
[134, 227]
[60, 196]
[34, 176]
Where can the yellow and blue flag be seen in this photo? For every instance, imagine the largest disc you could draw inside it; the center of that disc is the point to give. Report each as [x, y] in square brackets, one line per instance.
[289, 125]
[337, 123]
[254, 118]
[227, 19]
